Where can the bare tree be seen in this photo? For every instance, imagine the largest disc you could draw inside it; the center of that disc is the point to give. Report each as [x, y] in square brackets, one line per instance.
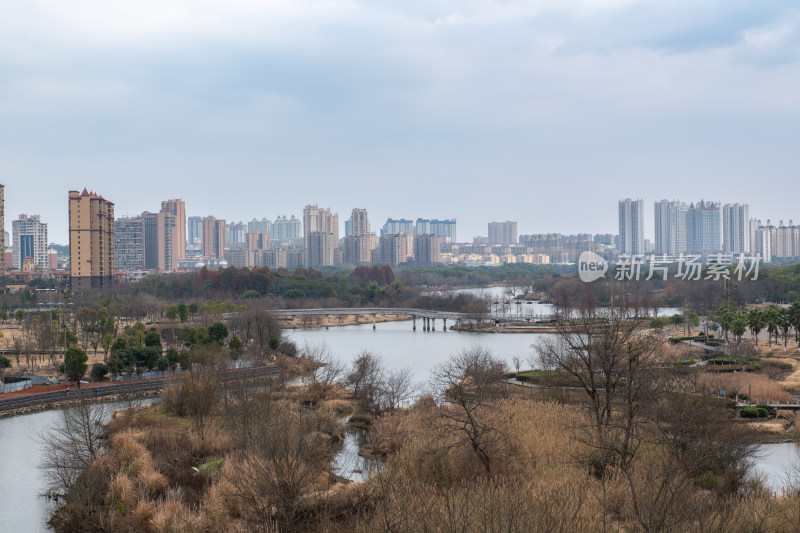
[397, 389]
[465, 387]
[325, 372]
[273, 479]
[71, 443]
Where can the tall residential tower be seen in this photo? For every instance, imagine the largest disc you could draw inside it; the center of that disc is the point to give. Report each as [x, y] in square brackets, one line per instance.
[91, 241]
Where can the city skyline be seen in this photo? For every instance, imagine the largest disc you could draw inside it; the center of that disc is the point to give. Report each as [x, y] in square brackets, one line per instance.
[650, 223]
[458, 108]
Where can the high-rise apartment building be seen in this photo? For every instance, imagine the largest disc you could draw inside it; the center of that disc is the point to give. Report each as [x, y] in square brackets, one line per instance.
[30, 241]
[357, 249]
[160, 241]
[428, 249]
[213, 237]
[631, 226]
[736, 228]
[317, 220]
[259, 226]
[2, 232]
[257, 241]
[91, 241]
[319, 249]
[704, 228]
[194, 227]
[400, 225]
[286, 229]
[236, 233]
[502, 232]
[670, 225]
[786, 243]
[446, 229]
[177, 208]
[358, 223]
[129, 244]
[393, 249]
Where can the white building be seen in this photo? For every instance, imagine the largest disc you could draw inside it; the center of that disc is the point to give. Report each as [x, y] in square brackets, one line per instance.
[631, 227]
[30, 240]
[670, 224]
[704, 228]
[736, 228]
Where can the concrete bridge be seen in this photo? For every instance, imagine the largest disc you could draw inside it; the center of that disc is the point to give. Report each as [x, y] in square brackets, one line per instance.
[428, 316]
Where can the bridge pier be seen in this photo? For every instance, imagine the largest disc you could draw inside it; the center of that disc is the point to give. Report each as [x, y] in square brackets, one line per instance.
[373, 321]
[444, 324]
[433, 324]
[327, 321]
[294, 321]
[414, 318]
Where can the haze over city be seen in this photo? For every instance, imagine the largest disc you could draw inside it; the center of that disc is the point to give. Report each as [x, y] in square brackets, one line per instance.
[542, 112]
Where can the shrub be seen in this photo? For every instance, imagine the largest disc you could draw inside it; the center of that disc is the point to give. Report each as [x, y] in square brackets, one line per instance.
[749, 412]
[99, 371]
[708, 480]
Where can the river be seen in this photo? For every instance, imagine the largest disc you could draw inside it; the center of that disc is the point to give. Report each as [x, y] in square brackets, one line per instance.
[22, 508]
[21, 483]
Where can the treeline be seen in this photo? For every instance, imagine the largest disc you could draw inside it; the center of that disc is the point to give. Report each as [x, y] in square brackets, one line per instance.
[459, 276]
[369, 286]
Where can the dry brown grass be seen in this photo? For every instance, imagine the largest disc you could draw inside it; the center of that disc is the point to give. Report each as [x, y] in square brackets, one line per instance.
[761, 388]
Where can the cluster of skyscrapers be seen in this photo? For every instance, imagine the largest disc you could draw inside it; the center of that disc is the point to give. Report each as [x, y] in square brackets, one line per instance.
[705, 228]
[102, 247]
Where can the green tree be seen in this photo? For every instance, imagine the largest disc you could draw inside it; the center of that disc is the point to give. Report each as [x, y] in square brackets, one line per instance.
[274, 342]
[692, 321]
[236, 346]
[183, 312]
[194, 308]
[19, 315]
[755, 321]
[99, 371]
[218, 332]
[152, 339]
[771, 320]
[794, 318]
[172, 312]
[785, 324]
[739, 325]
[108, 340]
[75, 363]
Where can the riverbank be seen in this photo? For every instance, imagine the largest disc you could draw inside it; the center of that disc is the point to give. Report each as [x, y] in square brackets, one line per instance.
[318, 321]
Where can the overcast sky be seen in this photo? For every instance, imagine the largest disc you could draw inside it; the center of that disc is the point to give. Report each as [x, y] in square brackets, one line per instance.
[545, 112]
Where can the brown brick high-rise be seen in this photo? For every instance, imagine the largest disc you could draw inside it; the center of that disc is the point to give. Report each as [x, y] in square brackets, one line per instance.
[91, 241]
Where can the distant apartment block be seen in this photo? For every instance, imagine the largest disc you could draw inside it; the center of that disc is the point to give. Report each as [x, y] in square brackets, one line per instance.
[3, 238]
[502, 232]
[177, 208]
[259, 226]
[357, 249]
[236, 233]
[319, 249]
[631, 226]
[286, 229]
[194, 228]
[446, 229]
[393, 249]
[704, 228]
[91, 241]
[736, 228]
[400, 225]
[670, 225]
[129, 244]
[30, 241]
[160, 241]
[213, 237]
[321, 235]
[427, 249]
[358, 224]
